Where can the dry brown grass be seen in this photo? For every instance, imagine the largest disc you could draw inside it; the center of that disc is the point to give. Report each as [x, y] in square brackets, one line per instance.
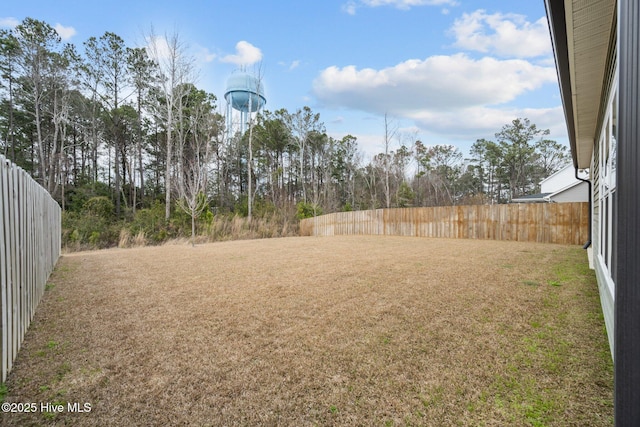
[356, 331]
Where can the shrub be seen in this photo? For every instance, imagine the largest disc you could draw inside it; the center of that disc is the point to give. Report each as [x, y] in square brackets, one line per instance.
[307, 210]
[88, 231]
[95, 227]
[99, 206]
[405, 196]
[78, 196]
[94, 238]
[151, 223]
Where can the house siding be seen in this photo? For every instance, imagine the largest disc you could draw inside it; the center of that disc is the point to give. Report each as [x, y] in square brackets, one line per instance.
[627, 267]
[607, 300]
[577, 193]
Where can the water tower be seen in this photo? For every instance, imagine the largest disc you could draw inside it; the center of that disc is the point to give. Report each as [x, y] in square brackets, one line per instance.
[245, 95]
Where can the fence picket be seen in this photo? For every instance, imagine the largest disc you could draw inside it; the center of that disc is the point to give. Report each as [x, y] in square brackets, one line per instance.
[4, 273]
[30, 241]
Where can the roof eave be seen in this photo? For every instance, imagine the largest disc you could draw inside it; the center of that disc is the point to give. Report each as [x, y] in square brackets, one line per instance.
[581, 34]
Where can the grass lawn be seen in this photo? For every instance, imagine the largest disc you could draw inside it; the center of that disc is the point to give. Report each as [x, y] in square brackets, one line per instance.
[354, 331]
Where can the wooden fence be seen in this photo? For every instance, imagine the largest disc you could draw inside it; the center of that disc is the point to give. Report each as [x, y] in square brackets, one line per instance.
[29, 248]
[563, 223]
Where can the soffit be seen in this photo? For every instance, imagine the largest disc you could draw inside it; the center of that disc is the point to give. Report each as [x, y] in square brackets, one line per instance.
[589, 27]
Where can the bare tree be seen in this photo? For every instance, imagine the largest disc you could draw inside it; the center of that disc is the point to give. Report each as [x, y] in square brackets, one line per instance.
[193, 199]
[175, 68]
[390, 130]
[203, 128]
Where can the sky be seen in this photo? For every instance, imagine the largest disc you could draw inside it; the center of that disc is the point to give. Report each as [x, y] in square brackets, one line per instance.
[442, 71]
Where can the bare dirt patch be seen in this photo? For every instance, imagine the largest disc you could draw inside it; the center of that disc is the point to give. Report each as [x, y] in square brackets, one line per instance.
[320, 331]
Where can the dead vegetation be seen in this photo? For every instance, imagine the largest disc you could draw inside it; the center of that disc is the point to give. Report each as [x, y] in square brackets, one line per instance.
[354, 331]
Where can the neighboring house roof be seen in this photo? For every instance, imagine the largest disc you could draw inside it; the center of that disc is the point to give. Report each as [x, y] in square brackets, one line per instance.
[582, 33]
[570, 193]
[560, 179]
[532, 198]
[554, 175]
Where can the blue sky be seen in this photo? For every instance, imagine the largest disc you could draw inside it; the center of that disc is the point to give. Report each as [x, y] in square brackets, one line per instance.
[444, 71]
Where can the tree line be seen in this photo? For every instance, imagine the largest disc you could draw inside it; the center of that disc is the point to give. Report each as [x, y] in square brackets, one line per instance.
[118, 132]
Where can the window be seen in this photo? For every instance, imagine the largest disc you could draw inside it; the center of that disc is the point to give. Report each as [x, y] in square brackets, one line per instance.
[607, 181]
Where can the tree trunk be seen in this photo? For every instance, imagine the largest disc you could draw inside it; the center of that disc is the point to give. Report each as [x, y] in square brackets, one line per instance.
[249, 164]
[167, 179]
[193, 228]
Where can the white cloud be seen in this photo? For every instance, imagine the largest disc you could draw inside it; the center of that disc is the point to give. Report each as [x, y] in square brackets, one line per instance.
[369, 144]
[205, 55]
[351, 6]
[65, 33]
[483, 122]
[407, 4]
[290, 65]
[158, 48]
[294, 64]
[447, 97]
[460, 128]
[436, 83]
[507, 35]
[246, 54]
[9, 22]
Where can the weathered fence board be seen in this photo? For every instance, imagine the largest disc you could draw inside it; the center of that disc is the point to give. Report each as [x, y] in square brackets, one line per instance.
[562, 223]
[30, 242]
